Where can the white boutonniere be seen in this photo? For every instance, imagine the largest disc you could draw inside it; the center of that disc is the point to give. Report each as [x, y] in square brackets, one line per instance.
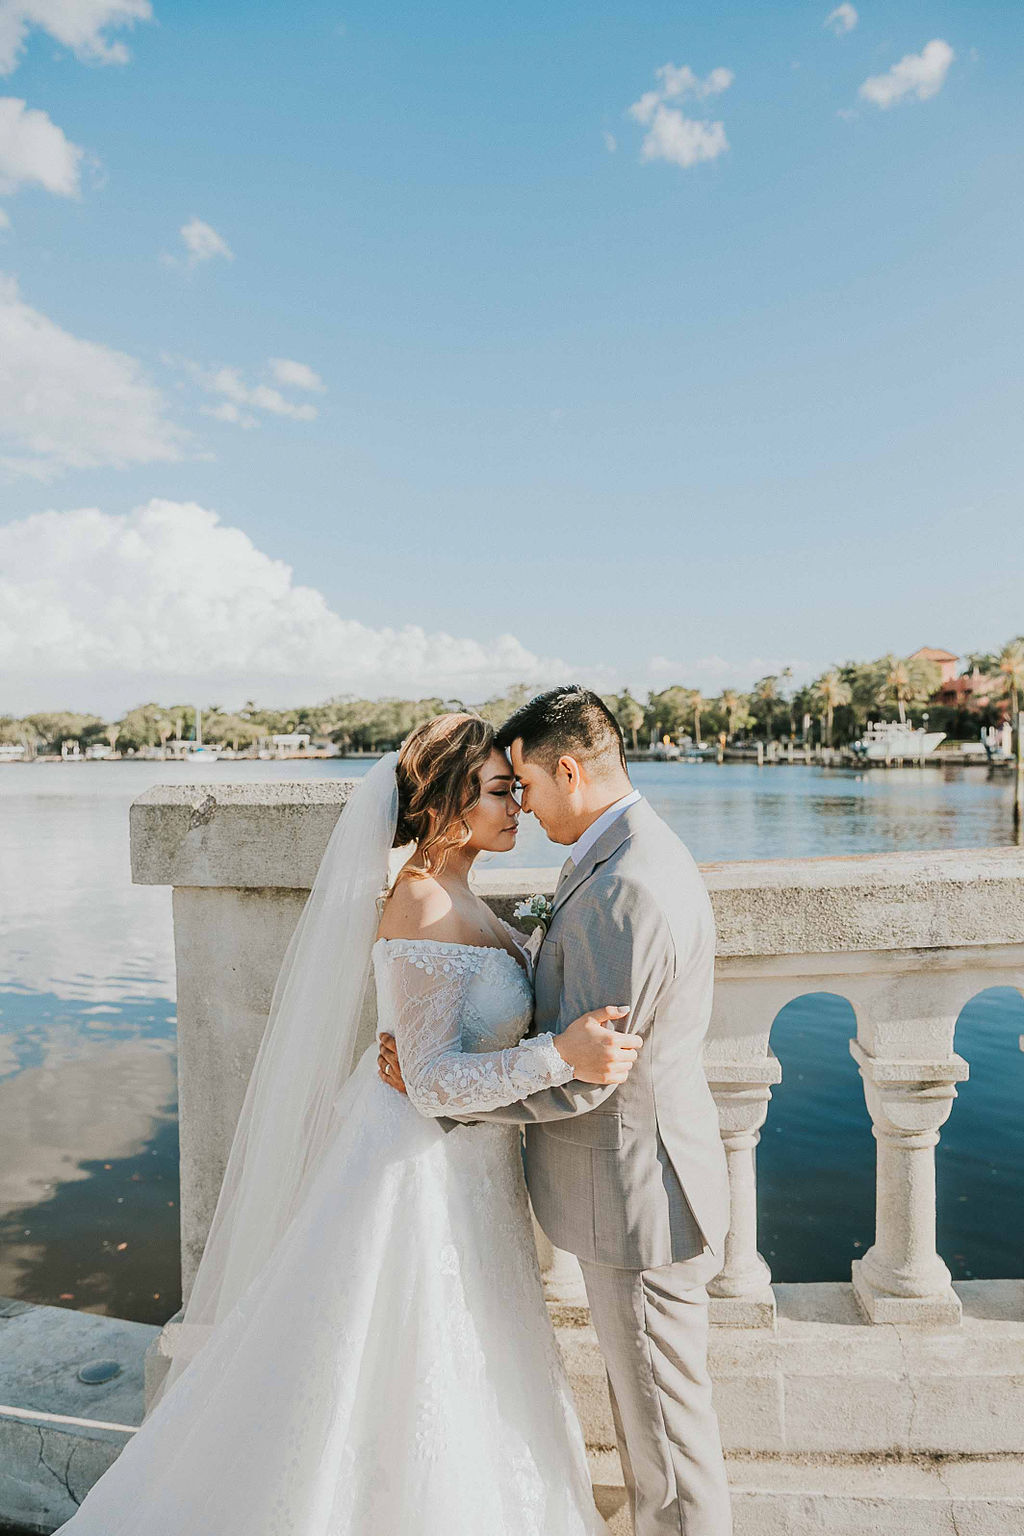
[539, 911]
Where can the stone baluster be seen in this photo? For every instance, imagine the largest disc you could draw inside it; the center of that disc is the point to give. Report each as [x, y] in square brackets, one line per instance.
[901, 1278]
[741, 1293]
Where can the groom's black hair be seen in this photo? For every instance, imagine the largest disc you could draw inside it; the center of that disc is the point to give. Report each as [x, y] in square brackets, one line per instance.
[569, 721]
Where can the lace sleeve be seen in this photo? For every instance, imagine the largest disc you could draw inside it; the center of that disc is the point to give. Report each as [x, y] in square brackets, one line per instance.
[426, 992]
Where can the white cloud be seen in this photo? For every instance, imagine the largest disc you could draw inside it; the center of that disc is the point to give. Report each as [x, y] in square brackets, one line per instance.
[66, 403]
[239, 399]
[611, 143]
[917, 74]
[203, 243]
[298, 375]
[682, 140]
[229, 382]
[842, 20]
[679, 82]
[102, 610]
[670, 134]
[77, 24]
[230, 412]
[34, 149]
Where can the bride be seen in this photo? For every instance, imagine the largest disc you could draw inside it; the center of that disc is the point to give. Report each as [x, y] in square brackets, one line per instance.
[366, 1350]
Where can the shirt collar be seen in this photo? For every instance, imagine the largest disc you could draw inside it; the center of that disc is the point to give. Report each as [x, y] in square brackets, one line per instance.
[583, 844]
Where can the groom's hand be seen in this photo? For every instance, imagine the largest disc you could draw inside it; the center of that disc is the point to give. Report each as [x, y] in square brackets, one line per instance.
[388, 1069]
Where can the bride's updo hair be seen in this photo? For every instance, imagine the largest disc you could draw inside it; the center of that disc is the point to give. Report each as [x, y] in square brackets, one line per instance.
[438, 782]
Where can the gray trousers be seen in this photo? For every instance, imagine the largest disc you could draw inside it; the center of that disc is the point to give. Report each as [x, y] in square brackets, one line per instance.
[652, 1326]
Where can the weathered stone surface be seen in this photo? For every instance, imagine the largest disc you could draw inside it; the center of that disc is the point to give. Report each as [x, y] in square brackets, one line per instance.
[846, 1496]
[843, 1497]
[41, 1349]
[946, 898]
[257, 834]
[274, 834]
[755, 1310]
[229, 945]
[58, 1434]
[826, 1382]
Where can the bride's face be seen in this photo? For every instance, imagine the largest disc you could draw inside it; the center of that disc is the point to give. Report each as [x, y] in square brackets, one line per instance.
[494, 821]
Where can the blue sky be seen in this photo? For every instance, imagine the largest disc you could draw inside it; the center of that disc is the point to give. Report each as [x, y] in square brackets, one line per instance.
[658, 421]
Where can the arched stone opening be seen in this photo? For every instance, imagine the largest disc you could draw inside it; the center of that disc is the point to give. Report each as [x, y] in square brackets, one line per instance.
[816, 1164]
[980, 1157]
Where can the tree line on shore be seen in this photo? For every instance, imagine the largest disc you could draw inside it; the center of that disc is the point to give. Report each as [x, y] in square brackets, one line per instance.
[833, 709]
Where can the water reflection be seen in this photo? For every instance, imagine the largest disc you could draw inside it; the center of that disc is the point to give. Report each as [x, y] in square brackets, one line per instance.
[89, 1155]
[88, 1140]
[816, 1159]
[979, 1163]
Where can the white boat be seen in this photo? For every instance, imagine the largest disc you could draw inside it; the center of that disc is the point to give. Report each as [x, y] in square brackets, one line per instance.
[997, 743]
[884, 740]
[201, 754]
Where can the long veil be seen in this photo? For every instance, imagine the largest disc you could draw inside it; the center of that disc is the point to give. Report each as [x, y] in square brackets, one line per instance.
[306, 1054]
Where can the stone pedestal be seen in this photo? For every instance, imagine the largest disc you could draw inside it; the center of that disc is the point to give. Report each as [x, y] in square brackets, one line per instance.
[901, 1278]
[741, 1293]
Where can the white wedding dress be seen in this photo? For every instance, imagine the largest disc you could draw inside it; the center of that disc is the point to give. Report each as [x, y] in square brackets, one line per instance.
[391, 1370]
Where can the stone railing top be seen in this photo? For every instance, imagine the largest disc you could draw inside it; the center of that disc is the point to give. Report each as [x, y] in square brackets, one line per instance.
[273, 834]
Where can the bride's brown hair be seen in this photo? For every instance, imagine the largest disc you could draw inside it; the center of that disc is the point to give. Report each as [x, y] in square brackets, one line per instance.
[438, 772]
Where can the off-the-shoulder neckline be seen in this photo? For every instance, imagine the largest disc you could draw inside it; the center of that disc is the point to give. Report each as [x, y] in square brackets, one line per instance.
[441, 943]
[498, 949]
[494, 949]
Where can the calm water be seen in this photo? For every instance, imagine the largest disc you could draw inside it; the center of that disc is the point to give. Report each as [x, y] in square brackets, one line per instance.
[88, 1131]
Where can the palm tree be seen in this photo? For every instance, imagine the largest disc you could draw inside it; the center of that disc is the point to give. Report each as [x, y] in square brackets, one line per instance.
[906, 682]
[896, 685]
[670, 709]
[787, 677]
[1011, 668]
[830, 692]
[696, 704]
[766, 693]
[732, 704]
[629, 712]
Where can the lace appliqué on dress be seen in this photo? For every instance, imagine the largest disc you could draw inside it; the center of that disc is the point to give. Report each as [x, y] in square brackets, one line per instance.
[430, 1008]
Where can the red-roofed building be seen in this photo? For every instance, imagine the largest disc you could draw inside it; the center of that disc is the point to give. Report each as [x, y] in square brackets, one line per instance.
[944, 660]
[975, 691]
[971, 692]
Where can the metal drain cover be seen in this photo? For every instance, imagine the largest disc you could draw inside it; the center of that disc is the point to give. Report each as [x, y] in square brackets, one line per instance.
[95, 1371]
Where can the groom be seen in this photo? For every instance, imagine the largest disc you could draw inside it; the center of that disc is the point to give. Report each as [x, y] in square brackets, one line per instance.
[630, 1177]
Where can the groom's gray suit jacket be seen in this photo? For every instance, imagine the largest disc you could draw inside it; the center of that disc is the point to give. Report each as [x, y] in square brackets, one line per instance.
[630, 1175]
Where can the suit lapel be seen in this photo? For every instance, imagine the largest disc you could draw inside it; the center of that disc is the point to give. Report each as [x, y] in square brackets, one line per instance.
[612, 838]
[563, 875]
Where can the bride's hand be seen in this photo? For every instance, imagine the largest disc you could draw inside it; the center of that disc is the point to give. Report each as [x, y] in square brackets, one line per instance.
[597, 1052]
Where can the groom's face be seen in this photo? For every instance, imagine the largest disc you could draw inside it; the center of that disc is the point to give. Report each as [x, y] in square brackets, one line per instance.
[547, 797]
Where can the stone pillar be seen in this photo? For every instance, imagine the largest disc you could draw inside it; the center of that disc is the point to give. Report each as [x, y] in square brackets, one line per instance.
[901, 1278]
[741, 1293]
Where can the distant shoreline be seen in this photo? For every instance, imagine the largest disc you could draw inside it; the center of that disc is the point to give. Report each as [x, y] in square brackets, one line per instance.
[841, 758]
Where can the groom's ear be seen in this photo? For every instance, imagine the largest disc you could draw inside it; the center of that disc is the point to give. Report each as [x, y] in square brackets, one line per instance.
[568, 772]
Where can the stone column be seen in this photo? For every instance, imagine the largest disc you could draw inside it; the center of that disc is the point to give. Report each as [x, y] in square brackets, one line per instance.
[901, 1278]
[741, 1293]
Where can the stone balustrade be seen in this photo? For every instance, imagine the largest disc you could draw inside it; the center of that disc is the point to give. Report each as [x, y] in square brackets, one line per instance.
[908, 939]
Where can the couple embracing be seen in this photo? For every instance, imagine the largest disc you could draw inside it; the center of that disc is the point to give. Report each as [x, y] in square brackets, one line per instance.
[366, 1350]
